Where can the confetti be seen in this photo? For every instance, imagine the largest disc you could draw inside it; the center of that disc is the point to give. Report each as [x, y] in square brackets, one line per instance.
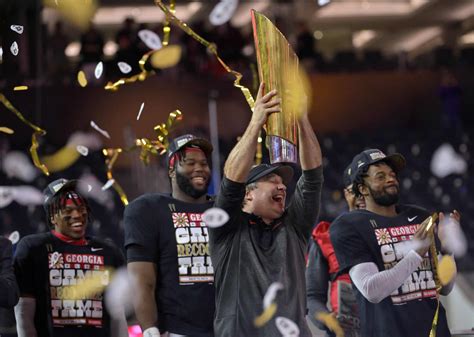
[78, 12]
[287, 327]
[81, 78]
[17, 29]
[102, 132]
[125, 68]
[6, 196]
[215, 217]
[14, 48]
[119, 298]
[20, 88]
[452, 237]
[266, 315]
[166, 57]
[223, 12]
[150, 39]
[1, 54]
[84, 151]
[89, 188]
[270, 295]
[92, 284]
[140, 111]
[108, 184]
[14, 237]
[331, 322]
[99, 69]
[446, 269]
[4, 129]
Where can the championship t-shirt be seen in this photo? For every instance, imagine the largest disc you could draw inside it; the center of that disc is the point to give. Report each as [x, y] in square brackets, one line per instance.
[362, 236]
[172, 234]
[54, 273]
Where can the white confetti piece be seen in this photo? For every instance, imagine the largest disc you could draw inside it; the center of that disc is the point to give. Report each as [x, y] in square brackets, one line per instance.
[140, 111]
[287, 327]
[118, 297]
[150, 38]
[103, 132]
[89, 188]
[14, 237]
[270, 295]
[6, 196]
[108, 184]
[84, 151]
[14, 48]
[99, 69]
[215, 217]
[223, 12]
[1, 54]
[452, 237]
[17, 29]
[125, 68]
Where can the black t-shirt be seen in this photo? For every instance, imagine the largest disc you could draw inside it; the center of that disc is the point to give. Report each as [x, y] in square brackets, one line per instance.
[249, 256]
[172, 234]
[362, 236]
[48, 268]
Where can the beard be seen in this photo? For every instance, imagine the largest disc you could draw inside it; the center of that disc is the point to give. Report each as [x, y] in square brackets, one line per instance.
[383, 198]
[187, 187]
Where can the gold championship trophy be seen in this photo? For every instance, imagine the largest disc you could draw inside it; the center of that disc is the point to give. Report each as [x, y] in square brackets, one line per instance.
[278, 69]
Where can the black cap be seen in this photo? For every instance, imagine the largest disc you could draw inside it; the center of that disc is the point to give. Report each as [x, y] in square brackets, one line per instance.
[348, 176]
[55, 187]
[369, 157]
[259, 171]
[188, 140]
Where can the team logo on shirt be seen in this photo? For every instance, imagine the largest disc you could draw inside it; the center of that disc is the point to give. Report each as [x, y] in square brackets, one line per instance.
[421, 283]
[69, 306]
[192, 243]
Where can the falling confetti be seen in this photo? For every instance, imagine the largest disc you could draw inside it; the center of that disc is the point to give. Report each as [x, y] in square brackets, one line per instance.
[266, 315]
[4, 129]
[223, 12]
[140, 111]
[14, 48]
[102, 132]
[150, 38]
[270, 295]
[215, 217]
[17, 29]
[287, 327]
[89, 188]
[20, 88]
[108, 184]
[446, 269]
[14, 237]
[1, 54]
[118, 298]
[81, 78]
[125, 68]
[331, 322]
[99, 69]
[166, 57]
[84, 151]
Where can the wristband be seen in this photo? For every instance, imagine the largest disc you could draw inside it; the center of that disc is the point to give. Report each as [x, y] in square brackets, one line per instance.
[151, 332]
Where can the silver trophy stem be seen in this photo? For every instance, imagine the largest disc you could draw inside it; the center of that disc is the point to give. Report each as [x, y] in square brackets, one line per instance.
[281, 150]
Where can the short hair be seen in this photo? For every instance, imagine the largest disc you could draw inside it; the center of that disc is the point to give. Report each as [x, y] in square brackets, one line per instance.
[58, 202]
[248, 188]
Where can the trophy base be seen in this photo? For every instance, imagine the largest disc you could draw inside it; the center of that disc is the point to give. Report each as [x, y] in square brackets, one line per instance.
[281, 150]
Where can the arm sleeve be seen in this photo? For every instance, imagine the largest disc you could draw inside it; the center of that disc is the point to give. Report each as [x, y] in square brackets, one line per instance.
[141, 234]
[376, 285]
[24, 268]
[8, 286]
[349, 246]
[317, 283]
[305, 204]
[230, 198]
[25, 317]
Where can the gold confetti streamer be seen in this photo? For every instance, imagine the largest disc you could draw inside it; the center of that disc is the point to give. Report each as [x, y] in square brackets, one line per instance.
[20, 88]
[61, 159]
[211, 47]
[166, 26]
[93, 283]
[138, 77]
[331, 322]
[37, 132]
[265, 316]
[147, 148]
[6, 130]
[446, 269]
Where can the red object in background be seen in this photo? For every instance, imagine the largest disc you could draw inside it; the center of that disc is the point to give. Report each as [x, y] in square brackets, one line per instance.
[134, 331]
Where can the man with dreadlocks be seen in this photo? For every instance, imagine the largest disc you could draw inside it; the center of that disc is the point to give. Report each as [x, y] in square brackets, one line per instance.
[167, 247]
[51, 267]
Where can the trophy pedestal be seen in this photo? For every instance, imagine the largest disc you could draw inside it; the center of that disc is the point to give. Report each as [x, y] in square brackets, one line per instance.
[281, 150]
